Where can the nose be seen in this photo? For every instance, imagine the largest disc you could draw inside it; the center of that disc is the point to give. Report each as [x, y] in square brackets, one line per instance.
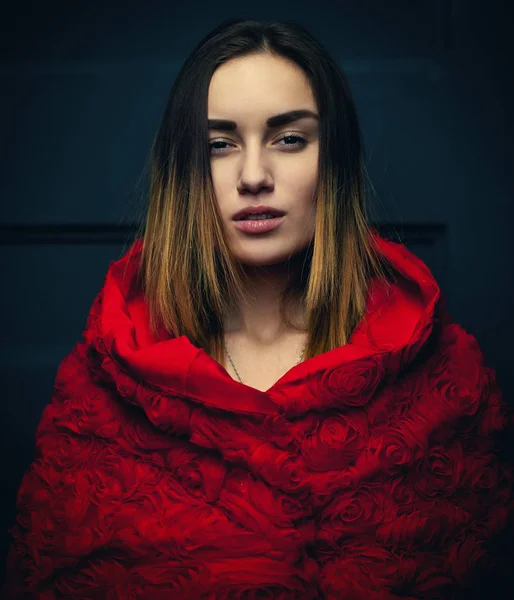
[255, 173]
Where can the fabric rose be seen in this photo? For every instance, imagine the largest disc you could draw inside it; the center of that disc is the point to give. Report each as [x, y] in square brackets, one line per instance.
[363, 570]
[461, 393]
[392, 403]
[441, 471]
[396, 450]
[336, 443]
[460, 374]
[407, 389]
[279, 431]
[464, 554]
[201, 475]
[257, 506]
[401, 492]
[353, 383]
[481, 471]
[354, 512]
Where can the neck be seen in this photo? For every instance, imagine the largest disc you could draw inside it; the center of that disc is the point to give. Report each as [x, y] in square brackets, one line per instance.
[258, 319]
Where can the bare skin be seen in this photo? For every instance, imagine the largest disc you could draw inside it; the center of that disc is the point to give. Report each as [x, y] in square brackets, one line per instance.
[262, 366]
[255, 164]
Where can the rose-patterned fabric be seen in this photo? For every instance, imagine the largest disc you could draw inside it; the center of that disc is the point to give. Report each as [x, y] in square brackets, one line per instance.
[379, 470]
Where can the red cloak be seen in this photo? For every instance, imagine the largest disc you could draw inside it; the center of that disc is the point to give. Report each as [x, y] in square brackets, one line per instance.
[379, 470]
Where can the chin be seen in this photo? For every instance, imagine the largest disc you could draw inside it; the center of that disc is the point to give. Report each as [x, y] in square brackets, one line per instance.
[266, 261]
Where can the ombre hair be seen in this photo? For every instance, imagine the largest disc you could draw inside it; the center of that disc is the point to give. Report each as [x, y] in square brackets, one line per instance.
[188, 274]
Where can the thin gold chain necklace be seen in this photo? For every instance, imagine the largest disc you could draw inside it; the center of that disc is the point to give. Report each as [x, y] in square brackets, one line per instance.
[234, 366]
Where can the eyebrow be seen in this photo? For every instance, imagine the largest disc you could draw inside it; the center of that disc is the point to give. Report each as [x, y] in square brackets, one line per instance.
[275, 121]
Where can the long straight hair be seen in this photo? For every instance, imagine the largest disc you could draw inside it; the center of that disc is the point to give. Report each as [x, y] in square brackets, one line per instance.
[188, 274]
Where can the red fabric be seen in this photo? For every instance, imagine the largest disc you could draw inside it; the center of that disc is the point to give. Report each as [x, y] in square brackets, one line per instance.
[379, 470]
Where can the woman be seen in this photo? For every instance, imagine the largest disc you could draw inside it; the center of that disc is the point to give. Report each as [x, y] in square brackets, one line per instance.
[266, 408]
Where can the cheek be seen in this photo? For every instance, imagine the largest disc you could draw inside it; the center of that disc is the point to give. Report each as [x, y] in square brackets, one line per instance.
[219, 178]
[303, 178]
[222, 185]
[302, 188]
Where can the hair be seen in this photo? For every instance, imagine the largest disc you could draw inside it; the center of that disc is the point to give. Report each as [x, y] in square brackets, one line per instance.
[188, 274]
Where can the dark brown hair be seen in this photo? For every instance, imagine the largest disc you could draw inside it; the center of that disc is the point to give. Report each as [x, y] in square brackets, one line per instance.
[189, 276]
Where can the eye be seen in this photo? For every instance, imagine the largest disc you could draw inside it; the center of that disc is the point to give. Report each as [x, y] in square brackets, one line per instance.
[299, 142]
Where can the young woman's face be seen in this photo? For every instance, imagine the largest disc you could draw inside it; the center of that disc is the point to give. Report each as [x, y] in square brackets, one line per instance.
[254, 163]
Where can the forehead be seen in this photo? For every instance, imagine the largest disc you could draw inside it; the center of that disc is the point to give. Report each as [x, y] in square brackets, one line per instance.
[258, 86]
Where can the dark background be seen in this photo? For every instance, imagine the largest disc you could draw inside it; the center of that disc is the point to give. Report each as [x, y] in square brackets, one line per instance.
[83, 88]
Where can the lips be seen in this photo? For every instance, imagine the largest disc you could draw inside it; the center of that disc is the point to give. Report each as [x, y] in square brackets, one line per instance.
[247, 217]
[258, 226]
[257, 210]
